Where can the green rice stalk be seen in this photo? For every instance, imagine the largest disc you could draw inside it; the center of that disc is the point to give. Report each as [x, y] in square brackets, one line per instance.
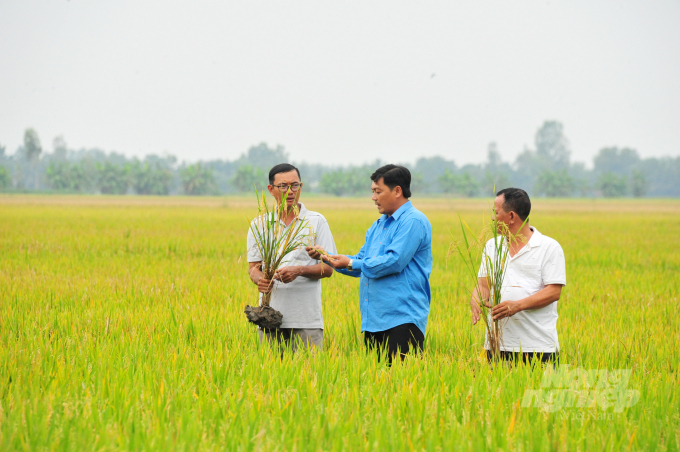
[474, 255]
[273, 239]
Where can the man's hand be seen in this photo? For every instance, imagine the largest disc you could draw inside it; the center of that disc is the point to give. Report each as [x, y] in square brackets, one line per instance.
[506, 309]
[287, 274]
[476, 311]
[315, 252]
[338, 261]
[265, 285]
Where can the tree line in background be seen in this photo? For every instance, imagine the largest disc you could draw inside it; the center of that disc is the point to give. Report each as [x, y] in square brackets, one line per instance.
[546, 170]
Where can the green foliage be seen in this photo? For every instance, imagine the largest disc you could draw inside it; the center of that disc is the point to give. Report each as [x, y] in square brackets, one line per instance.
[60, 148]
[32, 146]
[612, 185]
[352, 181]
[638, 184]
[615, 160]
[432, 168]
[59, 175]
[493, 182]
[122, 329]
[555, 184]
[151, 178]
[66, 176]
[663, 175]
[552, 147]
[447, 182]
[263, 157]
[552, 154]
[248, 177]
[197, 180]
[33, 149]
[5, 178]
[549, 161]
[496, 172]
[462, 184]
[418, 183]
[112, 179]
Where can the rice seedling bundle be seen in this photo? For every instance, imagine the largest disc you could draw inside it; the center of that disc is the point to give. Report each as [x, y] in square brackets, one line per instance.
[274, 241]
[492, 260]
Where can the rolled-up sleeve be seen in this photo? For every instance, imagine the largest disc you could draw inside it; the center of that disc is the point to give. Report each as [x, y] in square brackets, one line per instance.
[554, 269]
[397, 255]
[252, 248]
[324, 238]
[487, 254]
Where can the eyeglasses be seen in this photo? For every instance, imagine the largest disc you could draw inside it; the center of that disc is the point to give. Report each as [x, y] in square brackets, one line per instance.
[295, 186]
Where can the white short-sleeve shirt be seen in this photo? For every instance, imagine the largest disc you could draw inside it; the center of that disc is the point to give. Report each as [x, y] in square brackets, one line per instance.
[539, 263]
[300, 300]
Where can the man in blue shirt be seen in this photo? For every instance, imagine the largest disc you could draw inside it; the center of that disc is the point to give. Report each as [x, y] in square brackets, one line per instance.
[394, 265]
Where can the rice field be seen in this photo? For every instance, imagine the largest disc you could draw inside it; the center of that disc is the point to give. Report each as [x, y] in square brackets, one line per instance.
[122, 328]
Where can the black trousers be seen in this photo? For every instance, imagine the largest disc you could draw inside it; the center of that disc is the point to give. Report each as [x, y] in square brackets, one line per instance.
[527, 357]
[398, 340]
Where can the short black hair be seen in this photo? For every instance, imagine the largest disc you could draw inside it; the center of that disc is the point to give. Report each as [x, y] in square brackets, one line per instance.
[282, 168]
[393, 175]
[516, 200]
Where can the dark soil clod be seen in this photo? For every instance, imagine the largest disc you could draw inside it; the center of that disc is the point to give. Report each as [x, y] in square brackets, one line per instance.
[264, 316]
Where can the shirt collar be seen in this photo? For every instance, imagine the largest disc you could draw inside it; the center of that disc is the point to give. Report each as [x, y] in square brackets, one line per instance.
[303, 210]
[536, 238]
[534, 241]
[400, 211]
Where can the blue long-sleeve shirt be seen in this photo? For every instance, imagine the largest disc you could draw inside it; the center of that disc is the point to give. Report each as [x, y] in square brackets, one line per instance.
[395, 264]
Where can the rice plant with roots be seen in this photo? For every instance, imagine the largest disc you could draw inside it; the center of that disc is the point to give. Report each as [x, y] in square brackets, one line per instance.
[492, 262]
[274, 241]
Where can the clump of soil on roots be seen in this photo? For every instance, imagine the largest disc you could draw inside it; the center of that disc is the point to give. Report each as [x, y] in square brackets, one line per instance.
[264, 316]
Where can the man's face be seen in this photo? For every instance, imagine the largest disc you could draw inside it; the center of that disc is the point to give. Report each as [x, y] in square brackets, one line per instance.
[385, 199]
[501, 215]
[278, 191]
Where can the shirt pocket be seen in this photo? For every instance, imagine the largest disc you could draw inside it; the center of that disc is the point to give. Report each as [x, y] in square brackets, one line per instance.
[530, 276]
[296, 257]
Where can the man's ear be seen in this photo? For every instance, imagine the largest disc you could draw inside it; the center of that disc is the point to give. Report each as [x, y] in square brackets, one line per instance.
[271, 190]
[397, 192]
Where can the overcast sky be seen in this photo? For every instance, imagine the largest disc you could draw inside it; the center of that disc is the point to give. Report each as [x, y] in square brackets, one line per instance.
[340, 82]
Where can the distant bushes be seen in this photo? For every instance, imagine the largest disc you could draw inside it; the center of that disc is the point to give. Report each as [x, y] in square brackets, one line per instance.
[546, 170]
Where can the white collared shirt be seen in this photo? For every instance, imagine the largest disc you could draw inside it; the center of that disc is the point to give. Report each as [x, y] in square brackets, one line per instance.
[539, 263]
[300, 300]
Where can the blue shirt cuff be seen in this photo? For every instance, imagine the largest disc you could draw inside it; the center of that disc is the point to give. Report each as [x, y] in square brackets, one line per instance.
[357, 264]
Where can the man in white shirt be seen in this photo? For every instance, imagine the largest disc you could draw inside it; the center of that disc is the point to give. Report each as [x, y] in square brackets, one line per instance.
[296, 288]
[534, 278]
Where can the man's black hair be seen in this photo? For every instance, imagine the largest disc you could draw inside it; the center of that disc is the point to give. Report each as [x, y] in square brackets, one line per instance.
[393, 175]
[282, 168]
[516, 200]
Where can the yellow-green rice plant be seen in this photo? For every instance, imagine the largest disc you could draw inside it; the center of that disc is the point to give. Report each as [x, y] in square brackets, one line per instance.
[494, 263]
[121, 328]
[274, 241]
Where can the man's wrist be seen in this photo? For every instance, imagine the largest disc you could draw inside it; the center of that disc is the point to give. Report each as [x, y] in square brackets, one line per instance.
[356, 265]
